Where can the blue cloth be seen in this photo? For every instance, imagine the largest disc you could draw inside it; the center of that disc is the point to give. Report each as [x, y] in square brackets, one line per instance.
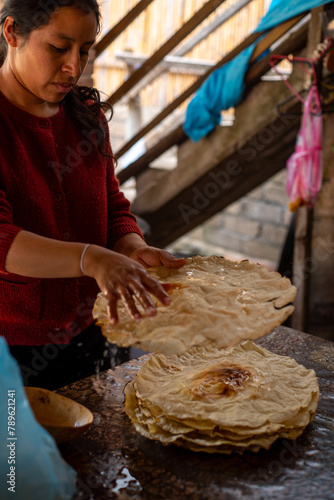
[31, 466]
[282, 10]
[225, 87]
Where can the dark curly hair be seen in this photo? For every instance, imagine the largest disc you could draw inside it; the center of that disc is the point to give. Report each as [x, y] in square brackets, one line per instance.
[83, 104]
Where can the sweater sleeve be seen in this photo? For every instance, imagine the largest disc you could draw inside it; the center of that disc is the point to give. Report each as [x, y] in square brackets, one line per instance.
[7, 229]
[120, 220]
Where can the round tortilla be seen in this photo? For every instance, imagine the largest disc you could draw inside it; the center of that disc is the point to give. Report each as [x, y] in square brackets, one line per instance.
[213, 301]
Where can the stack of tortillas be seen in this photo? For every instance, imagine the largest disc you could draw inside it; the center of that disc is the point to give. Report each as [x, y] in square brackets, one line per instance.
[222, 400]
[202, 390]
[214, 301]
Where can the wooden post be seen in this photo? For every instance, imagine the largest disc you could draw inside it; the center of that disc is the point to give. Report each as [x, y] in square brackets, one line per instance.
[134, 118]
[301, 259]
[321, 299]
[314, 237]
[304, 219]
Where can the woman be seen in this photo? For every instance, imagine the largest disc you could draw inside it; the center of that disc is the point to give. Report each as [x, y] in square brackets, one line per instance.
[65, 228]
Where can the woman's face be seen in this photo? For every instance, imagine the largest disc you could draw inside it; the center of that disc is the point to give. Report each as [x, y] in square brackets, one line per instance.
[52, 59]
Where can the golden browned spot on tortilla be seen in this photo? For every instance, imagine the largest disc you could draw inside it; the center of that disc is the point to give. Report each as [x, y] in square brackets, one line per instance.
[219, 381]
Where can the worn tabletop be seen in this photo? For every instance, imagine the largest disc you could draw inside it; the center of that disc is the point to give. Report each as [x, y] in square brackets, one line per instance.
[113, 461]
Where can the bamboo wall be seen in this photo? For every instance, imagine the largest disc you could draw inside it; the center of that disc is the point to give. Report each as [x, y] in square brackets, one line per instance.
[153, 27]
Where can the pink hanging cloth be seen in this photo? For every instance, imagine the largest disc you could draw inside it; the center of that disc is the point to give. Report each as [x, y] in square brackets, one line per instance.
[305, 165]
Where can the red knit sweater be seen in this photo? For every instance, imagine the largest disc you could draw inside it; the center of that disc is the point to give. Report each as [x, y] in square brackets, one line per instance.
[53, 182]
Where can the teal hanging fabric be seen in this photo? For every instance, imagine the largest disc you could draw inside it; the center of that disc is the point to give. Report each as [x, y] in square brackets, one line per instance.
[31, 466]
[224, 88]
[282, 10]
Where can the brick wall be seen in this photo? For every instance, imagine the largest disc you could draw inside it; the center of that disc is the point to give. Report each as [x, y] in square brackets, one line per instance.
[254, 228]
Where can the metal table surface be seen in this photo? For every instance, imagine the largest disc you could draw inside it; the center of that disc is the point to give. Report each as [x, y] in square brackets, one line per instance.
[113, 461]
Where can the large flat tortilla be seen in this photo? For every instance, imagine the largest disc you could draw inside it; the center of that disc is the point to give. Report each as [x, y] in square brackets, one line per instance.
[214, 301]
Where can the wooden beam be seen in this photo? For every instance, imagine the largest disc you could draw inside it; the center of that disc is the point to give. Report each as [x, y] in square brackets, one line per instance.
[227, 182]
[262, 46]
[186, 47]
[175, 137]
[294, 42]
[209, 7]
[210, 28]
[167, 62]
[120, 26]
[182, 97]
[178, 136]
[274, 35]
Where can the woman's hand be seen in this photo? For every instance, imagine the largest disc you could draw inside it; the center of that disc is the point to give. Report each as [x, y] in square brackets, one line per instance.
[122, 278]
[151, 257]
[135, 247]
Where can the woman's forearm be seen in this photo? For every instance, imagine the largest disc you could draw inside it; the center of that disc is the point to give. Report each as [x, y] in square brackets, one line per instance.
[118, 276]
[39, 257]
